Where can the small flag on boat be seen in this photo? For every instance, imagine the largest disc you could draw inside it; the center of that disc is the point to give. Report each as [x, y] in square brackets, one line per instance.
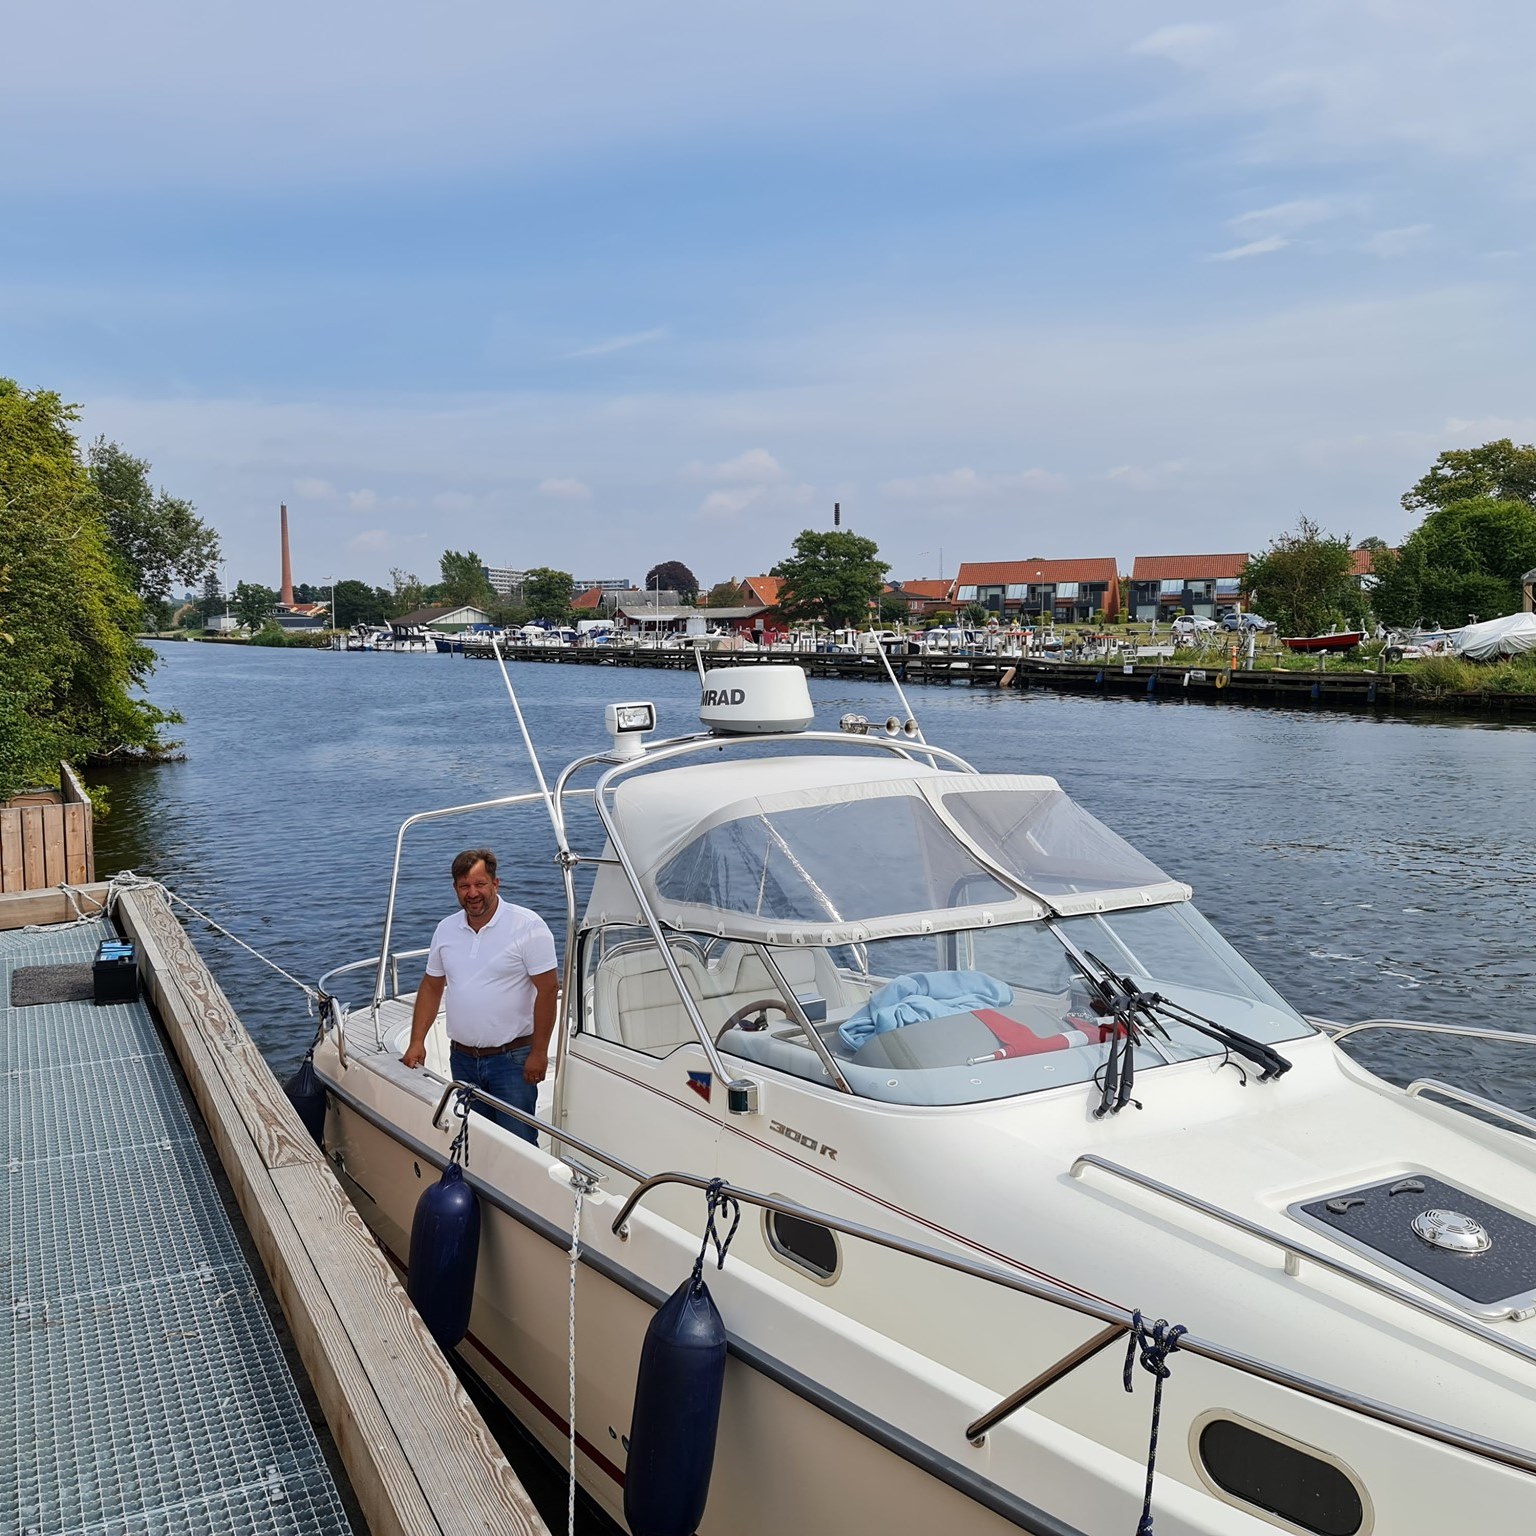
[701, 1083]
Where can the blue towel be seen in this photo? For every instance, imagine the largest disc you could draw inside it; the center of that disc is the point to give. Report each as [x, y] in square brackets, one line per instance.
[925, 995]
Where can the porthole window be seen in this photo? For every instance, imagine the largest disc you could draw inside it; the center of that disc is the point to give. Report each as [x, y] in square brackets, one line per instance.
[1299, 1485]
[804, 1245]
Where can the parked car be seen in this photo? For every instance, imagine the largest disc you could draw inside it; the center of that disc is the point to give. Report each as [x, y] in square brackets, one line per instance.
[1189, 624]
[1246, 622]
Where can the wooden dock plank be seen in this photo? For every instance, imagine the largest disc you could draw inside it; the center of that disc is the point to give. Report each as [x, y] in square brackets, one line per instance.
[19, 909]
[77, 866]
[53, 844]
[11, 876]
[32, 871]
[420, 1458]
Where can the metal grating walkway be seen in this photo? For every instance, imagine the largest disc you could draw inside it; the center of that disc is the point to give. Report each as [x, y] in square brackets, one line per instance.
[141, 1384]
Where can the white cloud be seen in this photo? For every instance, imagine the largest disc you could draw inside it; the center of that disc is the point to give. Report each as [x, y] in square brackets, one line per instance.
[452, 501]
[1390, 243]
[362, 500]
[372, 542]
[1280, 218]
[564, 489]
[620, 343]
[314, 490]
[754, 467]
[731, 503]
[1253, 248]
[1186, 45]
[967, 485]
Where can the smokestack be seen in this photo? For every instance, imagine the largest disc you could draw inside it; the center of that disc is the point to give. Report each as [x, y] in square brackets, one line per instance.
[286, 596]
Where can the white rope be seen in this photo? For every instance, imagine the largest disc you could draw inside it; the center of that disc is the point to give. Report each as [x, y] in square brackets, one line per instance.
[126, 880]
[579, 1186]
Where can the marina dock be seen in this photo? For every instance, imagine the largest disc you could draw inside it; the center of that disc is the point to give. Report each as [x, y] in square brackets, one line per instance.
[1199, 678]
[149, 1385]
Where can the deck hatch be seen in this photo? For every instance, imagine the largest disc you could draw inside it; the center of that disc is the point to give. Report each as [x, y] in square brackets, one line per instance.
[1413, 1223]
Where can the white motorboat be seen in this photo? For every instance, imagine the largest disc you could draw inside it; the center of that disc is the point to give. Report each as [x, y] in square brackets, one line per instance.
[985, 1083]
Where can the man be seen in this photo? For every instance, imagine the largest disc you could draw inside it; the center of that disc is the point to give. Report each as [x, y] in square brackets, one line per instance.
[497, 963]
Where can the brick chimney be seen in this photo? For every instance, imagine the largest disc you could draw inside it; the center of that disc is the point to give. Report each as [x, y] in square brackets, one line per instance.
[285, 597]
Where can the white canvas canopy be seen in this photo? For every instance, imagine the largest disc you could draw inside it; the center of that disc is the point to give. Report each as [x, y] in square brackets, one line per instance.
[1509, 636]
[824, 851]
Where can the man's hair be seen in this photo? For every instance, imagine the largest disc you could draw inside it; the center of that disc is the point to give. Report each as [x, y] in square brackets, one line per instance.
[467, 860]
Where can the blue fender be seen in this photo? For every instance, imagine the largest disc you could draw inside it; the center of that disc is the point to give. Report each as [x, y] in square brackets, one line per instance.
[676, 1414]
[445, 1245]
[307, 1095]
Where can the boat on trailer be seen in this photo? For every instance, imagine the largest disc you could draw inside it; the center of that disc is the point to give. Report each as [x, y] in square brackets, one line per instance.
[1312, 645]
[995, 1100]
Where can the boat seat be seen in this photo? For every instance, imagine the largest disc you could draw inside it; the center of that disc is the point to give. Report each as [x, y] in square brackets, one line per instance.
[638, 1003]
[737, 976]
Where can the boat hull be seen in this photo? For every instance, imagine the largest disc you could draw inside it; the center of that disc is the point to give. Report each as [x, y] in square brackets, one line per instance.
[1314, 644]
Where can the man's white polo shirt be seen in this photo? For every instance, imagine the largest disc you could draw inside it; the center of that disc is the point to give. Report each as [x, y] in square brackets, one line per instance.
[490, 987]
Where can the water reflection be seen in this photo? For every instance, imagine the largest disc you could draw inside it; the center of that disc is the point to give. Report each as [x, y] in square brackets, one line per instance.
[1369, 866]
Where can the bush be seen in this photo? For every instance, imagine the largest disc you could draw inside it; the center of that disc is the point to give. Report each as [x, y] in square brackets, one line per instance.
[269, 634]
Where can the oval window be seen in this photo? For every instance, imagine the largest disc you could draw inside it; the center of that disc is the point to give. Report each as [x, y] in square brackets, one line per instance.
[1281, 1478]
[804, 1245]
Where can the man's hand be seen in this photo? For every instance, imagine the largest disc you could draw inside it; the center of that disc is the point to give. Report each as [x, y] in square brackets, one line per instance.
[536, 1065]
[415, 1054]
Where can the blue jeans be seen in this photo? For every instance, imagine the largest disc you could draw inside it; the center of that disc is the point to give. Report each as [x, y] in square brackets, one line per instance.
[501, 1076]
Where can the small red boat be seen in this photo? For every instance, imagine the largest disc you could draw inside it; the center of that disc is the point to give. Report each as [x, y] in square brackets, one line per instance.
[1346, 641]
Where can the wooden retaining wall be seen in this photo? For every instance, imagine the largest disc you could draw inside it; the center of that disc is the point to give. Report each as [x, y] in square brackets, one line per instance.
[46, 837]
[420, 1458]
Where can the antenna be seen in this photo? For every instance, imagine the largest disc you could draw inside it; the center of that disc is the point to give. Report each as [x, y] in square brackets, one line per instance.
[533, 757]
[891, 673]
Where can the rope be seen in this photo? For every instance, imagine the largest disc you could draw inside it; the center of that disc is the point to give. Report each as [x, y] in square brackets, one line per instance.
[458, 1149]
[1152, 1344]
[126, 880]
[570, 1347]
[725, 1205]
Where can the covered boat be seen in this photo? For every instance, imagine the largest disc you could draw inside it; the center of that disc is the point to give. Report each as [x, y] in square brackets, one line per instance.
[995, 1098]
[1513, 635]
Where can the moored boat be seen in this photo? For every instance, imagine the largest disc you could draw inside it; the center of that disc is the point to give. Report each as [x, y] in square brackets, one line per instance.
[985, 1083]
[1345, 640]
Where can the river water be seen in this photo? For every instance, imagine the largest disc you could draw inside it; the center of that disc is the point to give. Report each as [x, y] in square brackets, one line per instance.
[1369, 867]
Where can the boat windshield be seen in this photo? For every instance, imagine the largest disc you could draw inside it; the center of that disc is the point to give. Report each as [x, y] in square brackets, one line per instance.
[997, 1011]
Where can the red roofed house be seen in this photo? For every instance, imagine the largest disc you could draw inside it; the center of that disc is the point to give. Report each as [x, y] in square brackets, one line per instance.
[762, 589]
[1065, 591]
[1197, 584]
[589, 601]
[923, 597]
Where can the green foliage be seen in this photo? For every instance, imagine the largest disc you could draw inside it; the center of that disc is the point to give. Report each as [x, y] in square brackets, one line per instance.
[673, 576]
[358, 603]
[406, 593]
[940, 620]
[1498, 471]
[726, 594]
[893, 609]
[548, 593]
[69, 663]
[1305, 581]
[976, 613]
[253, 604]
[1466, 557]
[832, 577]
[464, 579]
[157, 537]
[270, 634]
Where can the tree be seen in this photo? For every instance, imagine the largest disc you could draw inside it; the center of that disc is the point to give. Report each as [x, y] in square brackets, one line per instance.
[548, 593]
[893, 609]
[253, 604]
[70, 667]
[725, 594]
[1498, 471]
[673, 576]
[157, 537]
[406, 592]
[1466, 557]
[464, 579]
[358, 603]
[833, 577]
[1305, 581]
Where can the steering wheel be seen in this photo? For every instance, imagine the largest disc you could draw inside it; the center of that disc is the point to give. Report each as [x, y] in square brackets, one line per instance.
[761, 1006]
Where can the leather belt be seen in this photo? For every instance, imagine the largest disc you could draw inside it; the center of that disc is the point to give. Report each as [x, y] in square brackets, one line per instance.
[481, 1051]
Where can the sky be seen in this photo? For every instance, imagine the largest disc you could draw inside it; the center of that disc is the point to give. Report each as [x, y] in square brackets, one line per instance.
[594, 286]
